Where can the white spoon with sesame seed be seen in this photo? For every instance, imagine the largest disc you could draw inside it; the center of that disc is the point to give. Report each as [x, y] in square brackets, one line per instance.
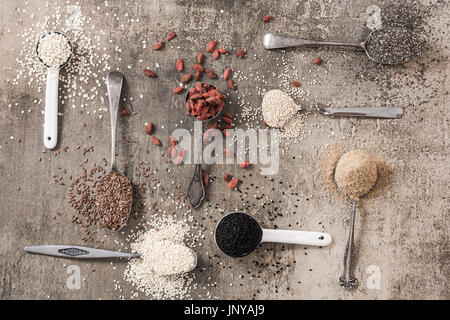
[54, 50]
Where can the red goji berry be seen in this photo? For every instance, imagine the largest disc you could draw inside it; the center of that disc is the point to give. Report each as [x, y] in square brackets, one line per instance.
[156, 141]
[171, 35]
[124, 112]
[267, 18]
[200, 58]
[233, 183]
[226, 74]
[186, 78]
[215, 54]
[230, 84]
[180, 65]
[205, 176]
[227, 177]
[149, 128]
[211, 46]
[317, 61]
[150, 73]
[178, 90]
[295, 83]
[245, 164]
[158, 45]
[240, 54]
[222, 51]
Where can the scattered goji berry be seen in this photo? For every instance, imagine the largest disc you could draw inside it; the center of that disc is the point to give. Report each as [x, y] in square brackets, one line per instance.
[197, 75]
[240, 54]
[317, 60]
[245, 164]
[124, 112]
[178, 90]
[211, 46]
[267, 18]
[228, 115]
[226, 74]
[233, 183]
[295, 83]
[227, 177]
[230, 84]
[205, 176]
[171, 35]
[150, 73]
[215, 54]
[211, 74]
[200, 58]
[227, 120]
[222, 51]
[180, 65]
[158, 45]
[156, 141]
[198, 67]
[149, 128]
[186, 78]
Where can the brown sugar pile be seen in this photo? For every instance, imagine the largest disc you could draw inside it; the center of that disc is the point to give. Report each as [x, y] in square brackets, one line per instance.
[356, 173]
[329, 160]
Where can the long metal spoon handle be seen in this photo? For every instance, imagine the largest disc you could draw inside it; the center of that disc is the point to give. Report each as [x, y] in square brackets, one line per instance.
[78, 252]
[114, 84]
[279, 41]
[348, 280]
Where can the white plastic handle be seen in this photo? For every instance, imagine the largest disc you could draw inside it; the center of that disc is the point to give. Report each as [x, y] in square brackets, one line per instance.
[307, 238]
[51, 109]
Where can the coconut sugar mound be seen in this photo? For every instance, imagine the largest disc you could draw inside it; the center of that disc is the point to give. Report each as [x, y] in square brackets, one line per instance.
[163, 253]
[356, 173]
[329, 160]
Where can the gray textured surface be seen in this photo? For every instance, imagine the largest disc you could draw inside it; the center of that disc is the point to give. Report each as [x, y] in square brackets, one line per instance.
[405, 231]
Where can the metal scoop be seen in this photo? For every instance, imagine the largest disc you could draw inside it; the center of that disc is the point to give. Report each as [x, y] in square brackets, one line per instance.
[347, 280]
[51, 97]
[308, 238]
[114, 81]
[196, 191]
[79, 252]
[280, 41]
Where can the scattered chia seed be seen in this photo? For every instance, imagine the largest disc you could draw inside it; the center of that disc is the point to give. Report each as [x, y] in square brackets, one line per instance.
[238, 234]
[394, 45]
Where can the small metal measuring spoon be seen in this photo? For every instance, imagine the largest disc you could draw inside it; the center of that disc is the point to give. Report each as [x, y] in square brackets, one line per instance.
[308, 238]
[196, 191]
[280, 41]
[51, 97]
[80, 252]
[114, 81]
[347, 280]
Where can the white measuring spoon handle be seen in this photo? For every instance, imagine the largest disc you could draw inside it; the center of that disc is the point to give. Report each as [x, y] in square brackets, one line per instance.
[307, 238]
[51, 109]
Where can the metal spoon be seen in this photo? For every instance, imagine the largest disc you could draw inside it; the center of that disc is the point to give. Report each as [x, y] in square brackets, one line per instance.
[114, 81]
[347, 280]
[279, 41]
[308, 238]
[79, 252]
[196, 191]
[51, 97]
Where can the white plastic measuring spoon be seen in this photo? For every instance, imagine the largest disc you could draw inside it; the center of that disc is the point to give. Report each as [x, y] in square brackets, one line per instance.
[236, 225]
[51, 97]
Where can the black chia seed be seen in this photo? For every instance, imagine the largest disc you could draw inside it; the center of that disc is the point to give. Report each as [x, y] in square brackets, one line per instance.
[394, 45]
[238, 234]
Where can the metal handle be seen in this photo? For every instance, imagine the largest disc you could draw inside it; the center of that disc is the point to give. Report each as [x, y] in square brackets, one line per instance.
[365, 112]
[278, 41]
[196, 191]
[114, 84]
[78, 252]
[348, 280]
[51, 109]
